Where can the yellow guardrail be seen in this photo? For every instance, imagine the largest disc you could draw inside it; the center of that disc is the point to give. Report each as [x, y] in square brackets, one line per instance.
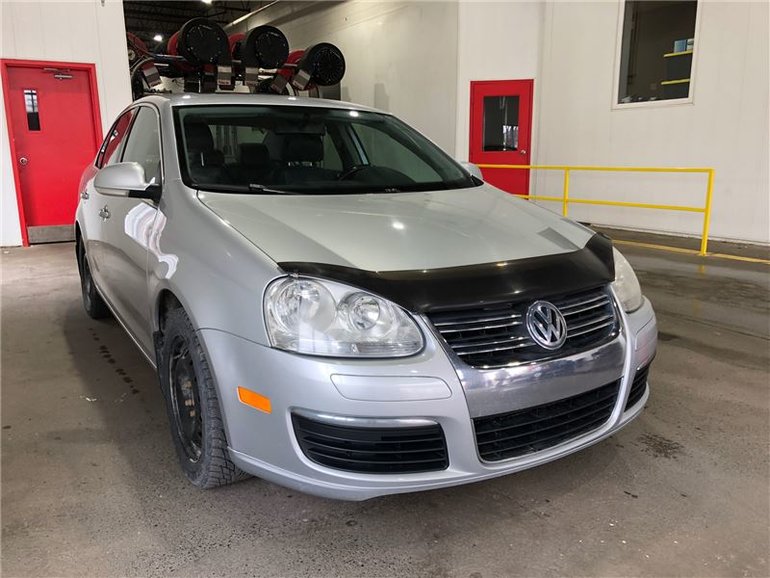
[565, 199]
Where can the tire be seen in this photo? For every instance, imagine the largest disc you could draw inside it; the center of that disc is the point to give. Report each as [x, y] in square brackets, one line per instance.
[193, 408]
[92, 301]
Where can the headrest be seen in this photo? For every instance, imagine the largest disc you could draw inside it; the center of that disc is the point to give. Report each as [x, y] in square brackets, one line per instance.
[212, 158]
[198, 137]
[306, 148]
[254, 154]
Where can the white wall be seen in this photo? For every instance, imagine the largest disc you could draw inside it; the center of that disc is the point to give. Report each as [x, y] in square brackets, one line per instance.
[495, 41]
[401, 56]
[726, 126]
[417, 59]
[69, 31]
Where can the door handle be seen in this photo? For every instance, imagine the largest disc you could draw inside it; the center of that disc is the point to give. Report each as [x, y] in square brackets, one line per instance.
[523, 151]
[104, 213]
[84, 195]
[23, 161]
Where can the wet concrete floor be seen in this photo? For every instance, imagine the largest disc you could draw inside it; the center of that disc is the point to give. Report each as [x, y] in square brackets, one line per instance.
[90, 486]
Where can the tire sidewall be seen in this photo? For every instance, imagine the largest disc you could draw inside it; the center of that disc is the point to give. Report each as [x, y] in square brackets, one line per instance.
[87, 287]
[178, 325]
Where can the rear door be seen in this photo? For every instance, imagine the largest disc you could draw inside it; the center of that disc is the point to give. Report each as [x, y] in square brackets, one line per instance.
[126, 227]
[501, 130]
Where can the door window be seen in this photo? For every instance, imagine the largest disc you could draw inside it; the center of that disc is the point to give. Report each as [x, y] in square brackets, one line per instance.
[143, 144]
[501, 123]
[114, 139]
[30, 104]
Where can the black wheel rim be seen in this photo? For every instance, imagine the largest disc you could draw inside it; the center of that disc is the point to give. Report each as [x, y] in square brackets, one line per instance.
[185, 401]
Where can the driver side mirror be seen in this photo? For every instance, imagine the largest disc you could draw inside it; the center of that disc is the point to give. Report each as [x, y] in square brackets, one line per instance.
[126, 180]
[473, 169]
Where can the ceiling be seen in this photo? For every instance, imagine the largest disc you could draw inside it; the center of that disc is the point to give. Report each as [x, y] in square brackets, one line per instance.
[146, 18]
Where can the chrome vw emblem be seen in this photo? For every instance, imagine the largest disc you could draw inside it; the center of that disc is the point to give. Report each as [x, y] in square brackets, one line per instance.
[546, 325]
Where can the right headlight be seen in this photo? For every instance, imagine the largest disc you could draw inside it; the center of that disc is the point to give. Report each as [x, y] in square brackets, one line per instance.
[320, 317]
[626, 284]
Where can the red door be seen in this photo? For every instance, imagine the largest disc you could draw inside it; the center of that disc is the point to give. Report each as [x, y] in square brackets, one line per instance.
[500, 131]
[54, 131]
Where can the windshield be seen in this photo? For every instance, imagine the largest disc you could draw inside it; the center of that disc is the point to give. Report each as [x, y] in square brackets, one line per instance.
[293, 149]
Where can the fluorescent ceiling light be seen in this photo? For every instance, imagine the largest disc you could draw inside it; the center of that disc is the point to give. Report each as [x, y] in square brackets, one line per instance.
[158, 38]
[207, 1]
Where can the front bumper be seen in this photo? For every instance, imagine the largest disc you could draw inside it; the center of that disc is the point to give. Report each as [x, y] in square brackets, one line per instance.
[424, 388]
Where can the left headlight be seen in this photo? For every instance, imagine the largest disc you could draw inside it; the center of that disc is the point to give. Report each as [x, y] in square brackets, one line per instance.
[320, 317]
[626, 284]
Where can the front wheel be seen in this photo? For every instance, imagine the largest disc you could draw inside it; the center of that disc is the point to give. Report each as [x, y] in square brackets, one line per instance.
[193, 408]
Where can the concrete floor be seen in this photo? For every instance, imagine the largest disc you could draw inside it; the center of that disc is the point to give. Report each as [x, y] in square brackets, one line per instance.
[90, 485]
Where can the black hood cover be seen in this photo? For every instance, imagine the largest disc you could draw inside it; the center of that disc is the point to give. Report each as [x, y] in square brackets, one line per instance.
[454, 287]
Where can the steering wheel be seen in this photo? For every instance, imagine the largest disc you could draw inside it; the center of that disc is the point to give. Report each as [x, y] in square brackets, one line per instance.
[352, 171]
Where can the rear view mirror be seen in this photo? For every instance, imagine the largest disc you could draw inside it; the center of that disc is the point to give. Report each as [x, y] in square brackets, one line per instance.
[125, 180]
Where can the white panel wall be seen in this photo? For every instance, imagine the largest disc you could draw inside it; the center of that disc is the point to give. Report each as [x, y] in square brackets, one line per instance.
[401, 56]
[495, 41]
[72, 31]
[725, 127]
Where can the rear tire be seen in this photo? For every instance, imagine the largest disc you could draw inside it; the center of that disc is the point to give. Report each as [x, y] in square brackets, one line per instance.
[92, 301]
[193, 407]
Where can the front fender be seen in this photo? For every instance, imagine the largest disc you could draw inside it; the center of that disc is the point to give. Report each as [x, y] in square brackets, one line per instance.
[216, 274]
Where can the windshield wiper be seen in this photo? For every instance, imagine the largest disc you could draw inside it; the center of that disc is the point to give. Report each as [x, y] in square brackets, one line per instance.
[250, 188]
[262, 189]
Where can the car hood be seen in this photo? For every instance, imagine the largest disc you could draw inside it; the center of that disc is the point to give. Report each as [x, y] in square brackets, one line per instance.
[398, 231]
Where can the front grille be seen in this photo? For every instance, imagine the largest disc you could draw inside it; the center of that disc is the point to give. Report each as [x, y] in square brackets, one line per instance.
[384, 450]
[525, 431]
[638, 387]
[496, 335]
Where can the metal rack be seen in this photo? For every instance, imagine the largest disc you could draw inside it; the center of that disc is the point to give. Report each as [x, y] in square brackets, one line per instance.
[205, 59]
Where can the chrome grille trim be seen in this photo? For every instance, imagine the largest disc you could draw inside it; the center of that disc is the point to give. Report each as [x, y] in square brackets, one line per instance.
[474, 337]
[567, 311]
[562, 305]
[590, 329]
[485, 320]
[492, 349]
[477, 342]
[587, 323]
[480, 327]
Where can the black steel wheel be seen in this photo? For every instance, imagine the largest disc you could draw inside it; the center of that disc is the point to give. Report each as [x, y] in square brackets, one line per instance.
[92, 301]
[185, 400]
[192, 404]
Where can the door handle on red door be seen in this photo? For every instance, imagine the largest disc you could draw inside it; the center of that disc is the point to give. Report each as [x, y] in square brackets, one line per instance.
[523, 151]
[104, 213]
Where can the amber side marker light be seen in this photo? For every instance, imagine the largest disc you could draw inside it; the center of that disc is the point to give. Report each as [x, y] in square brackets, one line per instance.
[255, 400]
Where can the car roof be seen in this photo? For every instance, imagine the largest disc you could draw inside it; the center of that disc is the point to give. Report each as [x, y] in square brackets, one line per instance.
[193, 99]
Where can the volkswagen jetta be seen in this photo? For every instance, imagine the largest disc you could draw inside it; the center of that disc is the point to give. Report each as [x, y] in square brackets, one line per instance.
[334, 304]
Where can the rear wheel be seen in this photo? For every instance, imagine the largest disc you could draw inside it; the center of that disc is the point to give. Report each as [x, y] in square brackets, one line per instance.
[193, 407]
[92, 301]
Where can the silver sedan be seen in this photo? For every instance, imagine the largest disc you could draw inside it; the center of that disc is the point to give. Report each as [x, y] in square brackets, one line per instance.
[334, 304]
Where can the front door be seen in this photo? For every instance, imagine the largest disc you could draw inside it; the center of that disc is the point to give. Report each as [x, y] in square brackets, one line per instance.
[126, 225]
[500, 131]
[52, 128]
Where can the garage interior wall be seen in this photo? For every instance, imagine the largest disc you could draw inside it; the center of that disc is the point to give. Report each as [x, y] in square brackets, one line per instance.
[496, 41]
[417, 59]
[725, 127]
[82, 31]
[401, 56]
